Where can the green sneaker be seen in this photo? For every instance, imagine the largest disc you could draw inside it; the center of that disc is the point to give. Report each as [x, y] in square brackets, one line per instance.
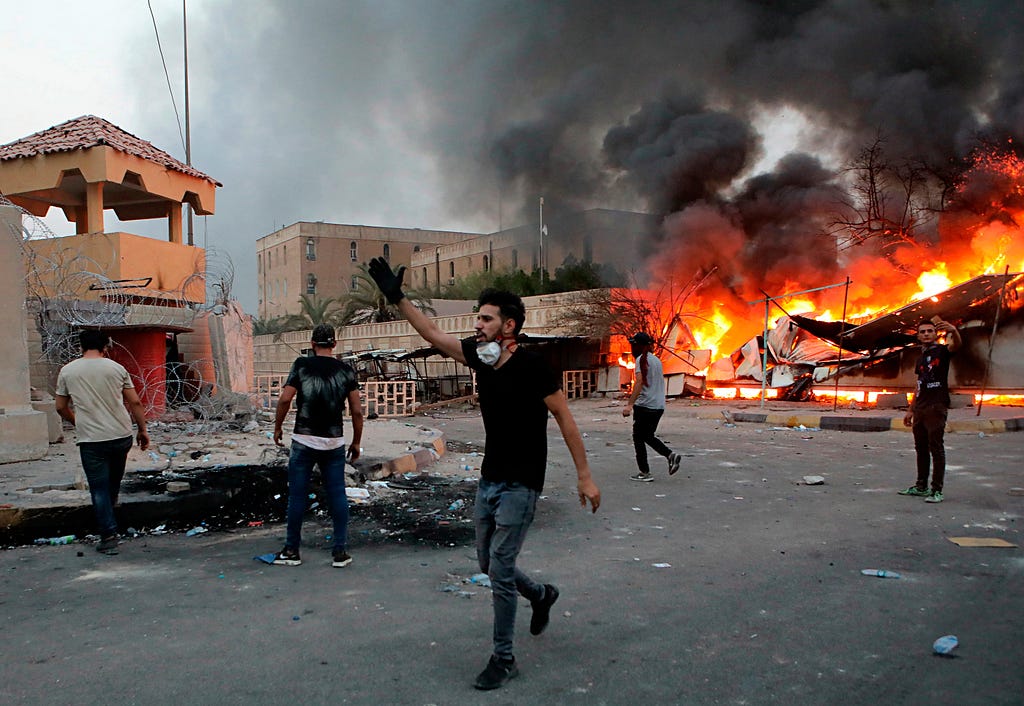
[914, 490]
[934, 497]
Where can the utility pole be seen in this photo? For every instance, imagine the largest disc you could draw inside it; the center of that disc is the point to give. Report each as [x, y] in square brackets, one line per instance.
[188, 131]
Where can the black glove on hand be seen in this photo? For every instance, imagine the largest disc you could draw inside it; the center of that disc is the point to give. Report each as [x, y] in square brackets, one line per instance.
[390, 282]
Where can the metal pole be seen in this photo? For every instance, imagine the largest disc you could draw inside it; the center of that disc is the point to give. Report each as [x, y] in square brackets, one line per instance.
[992, 339]
[540, 254]
[188, 130]
[764, 358]
[839, 362]
[768, 301]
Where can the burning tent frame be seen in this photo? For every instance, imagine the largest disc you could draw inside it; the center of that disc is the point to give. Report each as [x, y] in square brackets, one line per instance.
[801, 351]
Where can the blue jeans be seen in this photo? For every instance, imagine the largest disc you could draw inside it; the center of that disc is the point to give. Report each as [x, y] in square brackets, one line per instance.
[503, 514]
[332, 468]
[103, 463]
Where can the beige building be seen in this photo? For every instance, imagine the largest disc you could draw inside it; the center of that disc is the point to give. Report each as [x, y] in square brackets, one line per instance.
[598, 235]
[320, 259]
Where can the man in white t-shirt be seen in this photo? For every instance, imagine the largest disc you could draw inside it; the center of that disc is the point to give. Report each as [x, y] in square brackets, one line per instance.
[647, 403]
[95, 394]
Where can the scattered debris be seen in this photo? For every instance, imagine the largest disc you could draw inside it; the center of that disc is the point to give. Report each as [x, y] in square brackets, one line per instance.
[945, 645]
[480, 580]
[980, 542]
[66, 539]
[814, 480]
[880, 573]
[662, 565]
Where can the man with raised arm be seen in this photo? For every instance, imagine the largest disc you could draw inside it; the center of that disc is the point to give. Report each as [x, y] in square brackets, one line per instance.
[930, 408]
[517, 389]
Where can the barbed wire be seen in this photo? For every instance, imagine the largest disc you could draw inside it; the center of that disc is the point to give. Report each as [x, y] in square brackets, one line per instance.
[67, 290]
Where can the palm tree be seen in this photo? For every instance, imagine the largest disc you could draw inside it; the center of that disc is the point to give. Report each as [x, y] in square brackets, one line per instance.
[314, 311]
[265, 326]
[367, 304]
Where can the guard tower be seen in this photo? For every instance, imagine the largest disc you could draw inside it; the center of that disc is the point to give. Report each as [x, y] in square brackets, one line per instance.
[139, 289]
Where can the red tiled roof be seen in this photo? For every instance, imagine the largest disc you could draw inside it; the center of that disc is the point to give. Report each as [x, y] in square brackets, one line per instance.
[89, 131]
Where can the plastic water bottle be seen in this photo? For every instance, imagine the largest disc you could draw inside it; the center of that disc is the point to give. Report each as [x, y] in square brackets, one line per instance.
[66, 539]
[880, 573]
[945, 644]
[457, 505]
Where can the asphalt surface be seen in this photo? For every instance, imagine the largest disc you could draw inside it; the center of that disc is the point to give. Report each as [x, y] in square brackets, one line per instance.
[732, 582]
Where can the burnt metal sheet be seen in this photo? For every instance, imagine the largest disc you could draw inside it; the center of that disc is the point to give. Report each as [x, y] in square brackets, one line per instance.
[974, 299]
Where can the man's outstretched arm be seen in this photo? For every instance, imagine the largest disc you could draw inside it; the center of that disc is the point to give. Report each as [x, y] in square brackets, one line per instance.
[390, 284]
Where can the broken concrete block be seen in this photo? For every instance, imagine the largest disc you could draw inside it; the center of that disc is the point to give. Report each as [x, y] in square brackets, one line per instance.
[892, 400]
[178, 486]
[961, 401]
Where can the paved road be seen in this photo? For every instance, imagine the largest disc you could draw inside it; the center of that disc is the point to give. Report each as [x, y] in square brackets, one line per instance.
[763, 601]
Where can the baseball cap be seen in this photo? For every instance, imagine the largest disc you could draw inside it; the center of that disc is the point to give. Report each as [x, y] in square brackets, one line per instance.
[323, 334]
[640, 339]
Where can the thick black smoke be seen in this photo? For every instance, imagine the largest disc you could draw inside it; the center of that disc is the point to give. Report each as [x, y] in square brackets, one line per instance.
[648, 105]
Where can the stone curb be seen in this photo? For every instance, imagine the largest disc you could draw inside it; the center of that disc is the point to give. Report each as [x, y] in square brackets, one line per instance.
[835, 423]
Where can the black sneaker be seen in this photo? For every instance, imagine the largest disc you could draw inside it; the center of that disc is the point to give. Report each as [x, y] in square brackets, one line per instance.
[643, 477]
[674, 460]
[497, 673]
[108, 545]
[542, 610]
[341, 558]
[287, 557]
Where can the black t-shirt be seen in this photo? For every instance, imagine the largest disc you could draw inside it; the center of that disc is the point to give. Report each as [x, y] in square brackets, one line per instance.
[515, 416]
[322, 385]
[932, 376]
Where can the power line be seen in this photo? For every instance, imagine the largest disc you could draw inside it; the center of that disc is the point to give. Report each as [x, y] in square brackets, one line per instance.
[167, 75]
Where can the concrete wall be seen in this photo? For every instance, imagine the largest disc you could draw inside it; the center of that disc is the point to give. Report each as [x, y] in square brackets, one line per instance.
[24, 434]
[273, 354]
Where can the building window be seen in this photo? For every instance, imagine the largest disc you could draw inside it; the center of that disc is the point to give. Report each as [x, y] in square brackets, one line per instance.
[355, 283]
[311, 283]
[284, 255]
[259, 263]
[515, 258]
[424, 277]
[310, 249]
[353, 251]
[487, 264]
[387, 252]
[415, 248]
[451, 268]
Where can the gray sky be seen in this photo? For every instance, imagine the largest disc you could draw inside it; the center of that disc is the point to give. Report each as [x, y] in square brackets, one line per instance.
[422, 113]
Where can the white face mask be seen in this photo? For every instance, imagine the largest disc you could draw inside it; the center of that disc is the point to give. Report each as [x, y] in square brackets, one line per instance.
[489, 352]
